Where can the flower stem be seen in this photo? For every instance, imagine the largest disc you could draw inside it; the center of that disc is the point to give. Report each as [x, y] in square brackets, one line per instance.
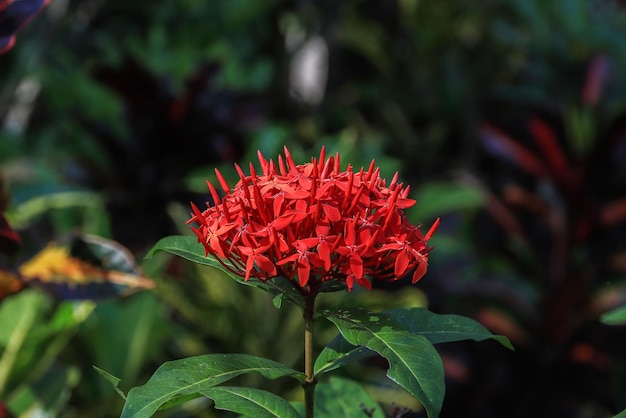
[309, 385]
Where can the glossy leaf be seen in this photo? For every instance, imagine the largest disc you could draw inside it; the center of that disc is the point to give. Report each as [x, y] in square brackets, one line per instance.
[181, 380]
[439, 328]
[435, 327]
[413, 361]
[250, 402]
[187, 247]
[342, 397]
[338, 353]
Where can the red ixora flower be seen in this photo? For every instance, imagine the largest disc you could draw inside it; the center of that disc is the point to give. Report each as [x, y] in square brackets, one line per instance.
[313, 223]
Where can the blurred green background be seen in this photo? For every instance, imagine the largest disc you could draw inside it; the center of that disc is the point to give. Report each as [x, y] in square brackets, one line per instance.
[506, 117]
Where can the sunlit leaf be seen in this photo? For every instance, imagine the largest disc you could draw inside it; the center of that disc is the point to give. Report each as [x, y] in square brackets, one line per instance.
[413, 361]
[250, 402]
[93, 268]
[181, 380]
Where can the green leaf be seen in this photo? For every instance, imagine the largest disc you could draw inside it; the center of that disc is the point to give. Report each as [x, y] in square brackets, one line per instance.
[435, 327]
[188, 248]
[181, 380]
[114, 381]
[342, 397]
[123, 336]
[104, 253]
[615, 317]
[250, 402]
[31, 338]
[436, 198]
[413, 361]
[337, 354]
[621, 414]
[278, 300]
[47, 395]
[443, 328]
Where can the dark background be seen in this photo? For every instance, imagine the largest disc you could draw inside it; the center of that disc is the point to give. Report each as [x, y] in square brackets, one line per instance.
[505, 117]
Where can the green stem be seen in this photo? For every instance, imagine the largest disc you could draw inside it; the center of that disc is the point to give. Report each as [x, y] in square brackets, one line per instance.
[309, 385]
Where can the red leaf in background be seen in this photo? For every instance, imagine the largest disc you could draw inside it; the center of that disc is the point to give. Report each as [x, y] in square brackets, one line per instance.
[9, 240]
[596, 78]
[613, 213]
[545, 138]
[14, 14]
[498, 143]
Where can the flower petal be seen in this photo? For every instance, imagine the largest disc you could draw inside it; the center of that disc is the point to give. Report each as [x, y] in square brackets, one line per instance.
[402, 262]
[324, 250]
[356, 265]
[266, 265]
[304, 271]
[421, 269]
[331, 212]
[432, 230]
[249, 266]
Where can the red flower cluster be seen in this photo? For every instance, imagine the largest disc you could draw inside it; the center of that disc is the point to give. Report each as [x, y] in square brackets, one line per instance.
[313, 223]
